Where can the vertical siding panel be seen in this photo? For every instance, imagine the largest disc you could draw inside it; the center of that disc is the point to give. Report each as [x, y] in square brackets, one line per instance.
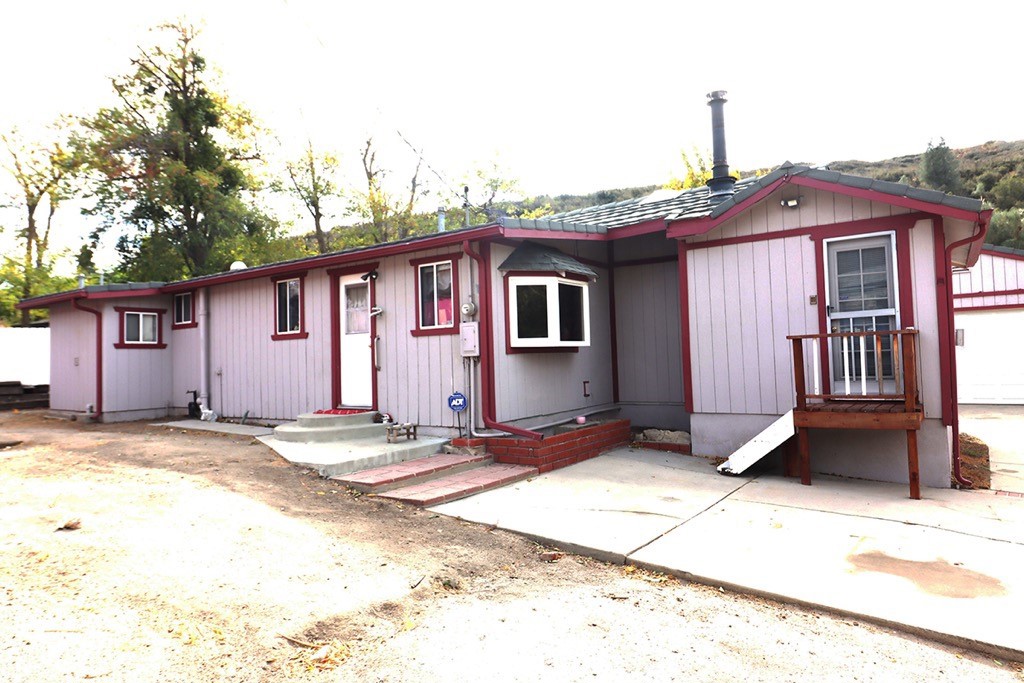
[759, 219]
[796, 298]
[779, 289]
[762, 294]
[843, 208]
[824, 207]
[749, 340]
[861, 209]
[733, 328]
[719, 337]
[701, 328]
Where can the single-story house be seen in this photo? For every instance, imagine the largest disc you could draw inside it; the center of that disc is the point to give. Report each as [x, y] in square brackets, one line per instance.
[989, 312]
[715, 309]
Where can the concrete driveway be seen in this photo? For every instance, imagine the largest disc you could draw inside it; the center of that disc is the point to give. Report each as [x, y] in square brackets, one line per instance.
[1002, 428]
[947, 566]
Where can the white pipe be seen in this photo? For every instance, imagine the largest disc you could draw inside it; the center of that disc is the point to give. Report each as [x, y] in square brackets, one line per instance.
[203, 309]
[864, 367]
[817, 361]
[846, 365]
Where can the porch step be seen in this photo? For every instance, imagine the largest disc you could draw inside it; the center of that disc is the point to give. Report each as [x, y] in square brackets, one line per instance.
[412, 471]
[332, 458]
[460, 485]
[318, 428]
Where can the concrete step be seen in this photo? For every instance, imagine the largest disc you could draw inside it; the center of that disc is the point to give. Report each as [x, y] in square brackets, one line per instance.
[460, 485]
[327, 420]
[342, 457]
[412, 472]
[298, 433]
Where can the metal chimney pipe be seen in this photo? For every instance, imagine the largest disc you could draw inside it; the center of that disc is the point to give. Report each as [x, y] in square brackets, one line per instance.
[721, 183]
[440, 218]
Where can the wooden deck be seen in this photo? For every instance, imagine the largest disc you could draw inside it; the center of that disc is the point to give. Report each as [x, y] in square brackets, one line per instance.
[898, 409]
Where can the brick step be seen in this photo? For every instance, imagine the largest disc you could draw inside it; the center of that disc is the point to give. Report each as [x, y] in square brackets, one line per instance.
[460, 485]
[416, 471]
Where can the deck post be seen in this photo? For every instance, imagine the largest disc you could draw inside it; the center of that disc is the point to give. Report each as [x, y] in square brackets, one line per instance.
[804, 448]
[915, 476]
[790, 458]
[798, 374]
[910, 373]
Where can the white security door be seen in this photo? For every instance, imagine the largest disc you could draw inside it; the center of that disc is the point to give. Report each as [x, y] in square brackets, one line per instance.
[862, 297]
[988, 364]
[356, 352]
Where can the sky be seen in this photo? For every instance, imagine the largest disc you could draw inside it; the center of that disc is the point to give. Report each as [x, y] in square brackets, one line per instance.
[567, 97]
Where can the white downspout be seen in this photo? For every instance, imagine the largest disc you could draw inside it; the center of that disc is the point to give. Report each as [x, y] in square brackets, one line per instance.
[204, 347]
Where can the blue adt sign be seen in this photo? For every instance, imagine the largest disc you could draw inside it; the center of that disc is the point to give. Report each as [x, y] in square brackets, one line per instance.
[457, 402]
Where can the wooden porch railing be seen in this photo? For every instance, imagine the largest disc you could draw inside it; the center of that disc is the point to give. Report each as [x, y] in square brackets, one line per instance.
[853, 368]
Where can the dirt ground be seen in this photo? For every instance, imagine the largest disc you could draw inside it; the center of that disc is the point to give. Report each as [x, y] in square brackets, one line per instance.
[197, 552]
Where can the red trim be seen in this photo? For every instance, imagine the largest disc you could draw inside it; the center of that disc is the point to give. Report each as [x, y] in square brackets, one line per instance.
[684, 322]
[60, 297]
[944, 312]
[335, 303]
[992, 252]
[441, 240]
[335, 275]
[819, 232]
[122, 344]
[646, 261]
[174, 307]
[882, 197]
[437, 258]
[277, 335]
[483, 261]
[360, 268]
[520, 234]
[456, 312]
[546, 273]
[819, 276]
[99, 354]
[904, 278]
[637, 229]
[612, 325]
[1000, 292]
[992, 307]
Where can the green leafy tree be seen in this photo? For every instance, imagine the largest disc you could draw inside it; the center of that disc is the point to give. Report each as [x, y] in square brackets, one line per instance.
[940, 168]
[388, 215]
[43, 175]
[172, 161]
[1007, 229]
[1008, 192]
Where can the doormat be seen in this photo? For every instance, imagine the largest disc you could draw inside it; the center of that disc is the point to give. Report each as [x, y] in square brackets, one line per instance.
[339, 411]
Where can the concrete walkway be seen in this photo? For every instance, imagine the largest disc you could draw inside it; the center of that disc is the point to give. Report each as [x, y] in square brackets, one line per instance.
[948, 566]
[1002, 429]
[219, 427]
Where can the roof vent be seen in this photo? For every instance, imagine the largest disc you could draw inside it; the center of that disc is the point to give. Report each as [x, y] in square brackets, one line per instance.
[721, 183]
[238, 265]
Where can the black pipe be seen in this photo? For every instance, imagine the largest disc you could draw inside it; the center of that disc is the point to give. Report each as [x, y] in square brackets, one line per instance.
[721, 183]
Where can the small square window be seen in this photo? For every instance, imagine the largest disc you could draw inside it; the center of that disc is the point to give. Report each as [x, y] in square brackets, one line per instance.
[437, 295]
[184, 310]
[140, 328]
[548, 312]
[288, 315]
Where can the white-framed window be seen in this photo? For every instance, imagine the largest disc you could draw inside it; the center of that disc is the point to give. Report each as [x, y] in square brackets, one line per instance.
[436, 295]
[183, 309]
[548, 311]
[289, 306]
[140, 328]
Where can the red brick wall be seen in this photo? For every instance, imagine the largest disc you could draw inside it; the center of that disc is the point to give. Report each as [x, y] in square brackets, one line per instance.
[555, 451]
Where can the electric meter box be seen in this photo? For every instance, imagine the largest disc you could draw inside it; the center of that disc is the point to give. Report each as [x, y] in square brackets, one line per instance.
[469, 334]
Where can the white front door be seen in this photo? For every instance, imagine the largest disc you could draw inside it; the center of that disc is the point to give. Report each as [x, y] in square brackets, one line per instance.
[356, 352]
[862, 297]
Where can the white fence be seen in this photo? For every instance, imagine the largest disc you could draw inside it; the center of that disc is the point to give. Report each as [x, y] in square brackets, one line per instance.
[25, 355]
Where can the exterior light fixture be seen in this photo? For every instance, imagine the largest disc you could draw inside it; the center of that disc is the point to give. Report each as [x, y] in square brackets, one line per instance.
[372, 275]
[790, 203]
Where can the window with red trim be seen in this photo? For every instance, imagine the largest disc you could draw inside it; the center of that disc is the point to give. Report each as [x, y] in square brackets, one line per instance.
[184, 311]
[140, 328]
[289, 318]
[437, 294]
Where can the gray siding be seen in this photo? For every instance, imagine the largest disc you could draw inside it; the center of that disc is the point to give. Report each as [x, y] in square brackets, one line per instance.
[72, 357]
[530, 385]
[135, 379]
[648, 334]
